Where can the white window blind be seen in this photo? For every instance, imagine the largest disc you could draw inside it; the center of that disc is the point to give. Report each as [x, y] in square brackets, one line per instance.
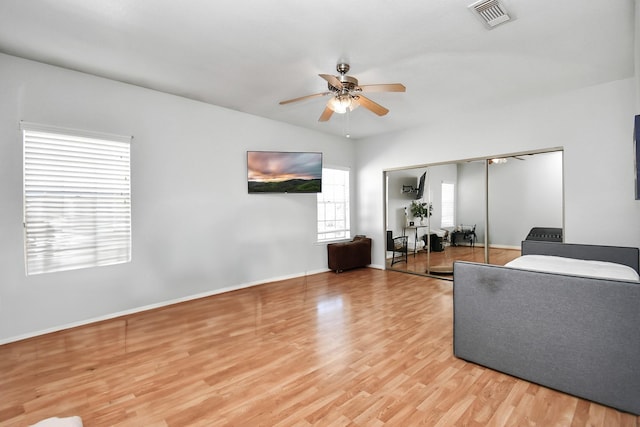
[448, 205]
[333, 205]
[77, 199]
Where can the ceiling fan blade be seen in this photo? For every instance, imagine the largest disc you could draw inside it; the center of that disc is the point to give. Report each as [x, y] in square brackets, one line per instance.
[315, 95]
[333, 80]
[326, 114]
[390, 87]
[371, 106]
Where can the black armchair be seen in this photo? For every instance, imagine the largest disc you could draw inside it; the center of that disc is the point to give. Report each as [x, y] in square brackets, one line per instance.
[399, 246]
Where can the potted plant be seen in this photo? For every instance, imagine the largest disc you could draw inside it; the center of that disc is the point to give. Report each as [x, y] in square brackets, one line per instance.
[421, 210]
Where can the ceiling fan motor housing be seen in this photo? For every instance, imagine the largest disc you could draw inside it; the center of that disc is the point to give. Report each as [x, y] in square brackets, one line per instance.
[342, 68]
[348, 83]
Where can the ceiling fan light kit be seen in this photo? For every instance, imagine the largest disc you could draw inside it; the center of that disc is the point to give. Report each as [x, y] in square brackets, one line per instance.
[341, 103]
[347, 94]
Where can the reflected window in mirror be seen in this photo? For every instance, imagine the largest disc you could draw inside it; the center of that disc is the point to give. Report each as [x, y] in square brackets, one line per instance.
[448, 205]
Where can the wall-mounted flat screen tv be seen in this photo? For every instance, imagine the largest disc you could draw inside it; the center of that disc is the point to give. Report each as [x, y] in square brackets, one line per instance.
[284, 172]
[420, 194]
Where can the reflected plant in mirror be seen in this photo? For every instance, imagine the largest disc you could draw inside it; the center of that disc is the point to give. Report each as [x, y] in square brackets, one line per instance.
[421, 209]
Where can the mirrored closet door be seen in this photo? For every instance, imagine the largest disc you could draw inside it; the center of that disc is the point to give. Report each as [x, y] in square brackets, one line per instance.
[472, 210]
[525, 191]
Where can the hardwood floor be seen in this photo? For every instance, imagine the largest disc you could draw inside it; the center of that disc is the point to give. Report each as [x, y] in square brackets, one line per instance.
[362, 348]
[421, 263]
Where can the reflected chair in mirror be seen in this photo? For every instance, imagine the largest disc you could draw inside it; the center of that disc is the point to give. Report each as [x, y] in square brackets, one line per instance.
[399, 246]
[464, 233]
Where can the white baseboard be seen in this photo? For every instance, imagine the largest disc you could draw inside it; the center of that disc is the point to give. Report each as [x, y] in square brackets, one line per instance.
[504, 247]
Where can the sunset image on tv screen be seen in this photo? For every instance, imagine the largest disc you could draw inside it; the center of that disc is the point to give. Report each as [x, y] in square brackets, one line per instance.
[284, 172]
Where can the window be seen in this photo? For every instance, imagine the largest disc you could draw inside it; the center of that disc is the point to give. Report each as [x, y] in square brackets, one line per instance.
[77, 199]
[333, 205]
[448, 205]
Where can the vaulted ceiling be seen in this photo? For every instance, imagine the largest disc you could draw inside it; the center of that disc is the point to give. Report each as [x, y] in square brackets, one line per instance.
[248, 55]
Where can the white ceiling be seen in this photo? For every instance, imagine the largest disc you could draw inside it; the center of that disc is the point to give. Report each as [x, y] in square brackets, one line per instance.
[248, 55]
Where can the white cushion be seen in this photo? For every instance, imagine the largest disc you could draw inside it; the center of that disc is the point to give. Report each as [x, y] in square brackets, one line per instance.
[60, 422]
[554, 264]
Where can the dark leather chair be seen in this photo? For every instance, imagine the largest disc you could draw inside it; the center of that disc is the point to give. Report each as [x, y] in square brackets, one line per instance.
[347, 255]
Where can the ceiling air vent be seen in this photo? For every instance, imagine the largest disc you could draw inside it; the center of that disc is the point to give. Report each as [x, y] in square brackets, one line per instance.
[491, 12]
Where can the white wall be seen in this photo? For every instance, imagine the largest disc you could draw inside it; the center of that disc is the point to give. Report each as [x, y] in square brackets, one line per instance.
[594, 125]
[195, 228]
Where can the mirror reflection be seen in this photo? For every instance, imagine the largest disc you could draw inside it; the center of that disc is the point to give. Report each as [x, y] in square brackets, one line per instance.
[477, 210]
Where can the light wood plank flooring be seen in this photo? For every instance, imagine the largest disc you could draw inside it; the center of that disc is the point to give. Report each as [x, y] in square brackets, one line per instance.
[421, 262]
[362, 348]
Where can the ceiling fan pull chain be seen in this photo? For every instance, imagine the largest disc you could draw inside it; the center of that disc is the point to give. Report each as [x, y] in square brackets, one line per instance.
[346, 124]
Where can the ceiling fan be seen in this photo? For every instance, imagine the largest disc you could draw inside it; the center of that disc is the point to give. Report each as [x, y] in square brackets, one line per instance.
[346, 94]
[500, 160]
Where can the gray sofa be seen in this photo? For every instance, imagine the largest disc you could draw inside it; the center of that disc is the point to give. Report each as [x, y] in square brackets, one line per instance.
[575, 334]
